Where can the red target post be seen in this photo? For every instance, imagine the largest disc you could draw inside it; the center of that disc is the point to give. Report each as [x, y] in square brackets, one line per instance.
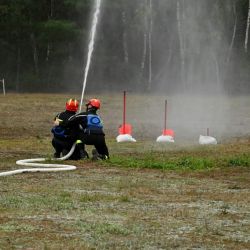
[125, 130]
[167, 131]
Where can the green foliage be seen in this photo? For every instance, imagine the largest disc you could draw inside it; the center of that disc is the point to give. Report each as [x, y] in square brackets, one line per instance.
[241, 160]
[194, 163]
[78, 4]
[155, 160]
[58, 31]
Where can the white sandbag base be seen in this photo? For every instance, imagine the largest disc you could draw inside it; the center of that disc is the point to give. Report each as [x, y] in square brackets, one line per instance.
[206, 140]
[165, 138]
[125, 138]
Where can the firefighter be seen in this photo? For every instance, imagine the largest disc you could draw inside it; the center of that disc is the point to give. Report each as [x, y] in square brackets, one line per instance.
[64, 137]
[90, 130]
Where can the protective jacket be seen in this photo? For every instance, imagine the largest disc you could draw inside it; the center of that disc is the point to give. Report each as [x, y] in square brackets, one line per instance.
[90, 131]
[89, 123]
[62, 132]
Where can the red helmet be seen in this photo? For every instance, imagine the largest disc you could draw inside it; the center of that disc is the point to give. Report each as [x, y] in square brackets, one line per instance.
[94, 103]
[72, 105]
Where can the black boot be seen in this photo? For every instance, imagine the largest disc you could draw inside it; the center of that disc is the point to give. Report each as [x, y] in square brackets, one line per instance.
[96, 156]
[83, 154]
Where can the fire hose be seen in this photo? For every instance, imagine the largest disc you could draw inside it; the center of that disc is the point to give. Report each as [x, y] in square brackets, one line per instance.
[42, 167]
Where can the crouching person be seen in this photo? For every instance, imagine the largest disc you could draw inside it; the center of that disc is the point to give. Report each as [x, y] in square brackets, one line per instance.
[90, 130]
[65, 137]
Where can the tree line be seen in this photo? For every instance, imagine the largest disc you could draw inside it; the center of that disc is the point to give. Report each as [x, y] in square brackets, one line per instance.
[145, 45]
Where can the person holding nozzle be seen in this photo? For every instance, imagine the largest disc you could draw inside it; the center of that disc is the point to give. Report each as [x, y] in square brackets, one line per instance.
[90, 130]
[65, 137]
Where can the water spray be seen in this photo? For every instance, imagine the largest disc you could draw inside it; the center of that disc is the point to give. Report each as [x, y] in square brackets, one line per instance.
[90, 47]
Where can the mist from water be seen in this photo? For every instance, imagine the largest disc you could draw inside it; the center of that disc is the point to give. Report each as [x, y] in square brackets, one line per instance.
[180, 55]
[198, 100]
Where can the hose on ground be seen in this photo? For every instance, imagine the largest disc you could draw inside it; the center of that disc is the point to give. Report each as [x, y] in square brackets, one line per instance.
[42, 167]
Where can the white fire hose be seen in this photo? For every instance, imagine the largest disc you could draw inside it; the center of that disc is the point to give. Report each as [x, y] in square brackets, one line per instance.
[42, 167]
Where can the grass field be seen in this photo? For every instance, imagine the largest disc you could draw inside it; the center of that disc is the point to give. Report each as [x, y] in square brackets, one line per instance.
[147, 196]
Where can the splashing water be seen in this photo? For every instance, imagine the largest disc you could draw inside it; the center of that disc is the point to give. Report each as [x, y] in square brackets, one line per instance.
[91, 46]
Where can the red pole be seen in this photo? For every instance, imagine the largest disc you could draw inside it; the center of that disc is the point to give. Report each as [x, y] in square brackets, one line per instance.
[165, 120]
[124, 111]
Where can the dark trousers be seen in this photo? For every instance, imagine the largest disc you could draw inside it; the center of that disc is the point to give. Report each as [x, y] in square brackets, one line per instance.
[60, 144]
[97, 140]
[64, 146]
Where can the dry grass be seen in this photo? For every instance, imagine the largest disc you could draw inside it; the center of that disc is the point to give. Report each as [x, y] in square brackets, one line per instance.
[106, 207]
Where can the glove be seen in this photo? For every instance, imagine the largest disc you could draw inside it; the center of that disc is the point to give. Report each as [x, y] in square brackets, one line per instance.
[57, 122]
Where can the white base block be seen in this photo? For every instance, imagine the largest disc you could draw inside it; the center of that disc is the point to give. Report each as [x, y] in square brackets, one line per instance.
[205, 140]
[125, 138]
[165, 138]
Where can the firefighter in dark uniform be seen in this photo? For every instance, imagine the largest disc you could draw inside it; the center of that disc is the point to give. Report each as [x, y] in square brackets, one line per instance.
[64, 137]
[90, 130]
